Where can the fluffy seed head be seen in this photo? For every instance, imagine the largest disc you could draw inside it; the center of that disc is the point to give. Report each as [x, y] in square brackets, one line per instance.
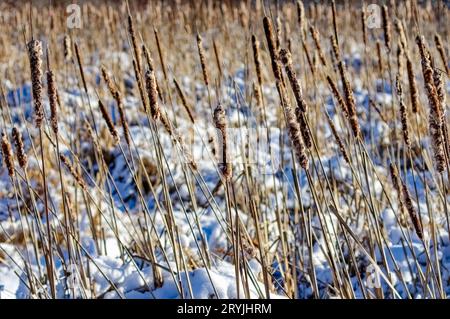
[67, 48]
[202, 55]
[286, 59]
[20, 148]
[220, 122]
[7, 155]
[150, 84]
[53, 100]
[35, 57]
[108, 121]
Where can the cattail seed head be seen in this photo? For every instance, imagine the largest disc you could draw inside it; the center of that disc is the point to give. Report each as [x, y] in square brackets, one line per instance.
[257, 94]
[301, 119]
[118, 98]
[111, 86]
[35, 57]
[150, 84]
[257, 58]
[109, 122]
[380, 58]
[151, 67]
[80, 66]
[124, 122]
[274, 54]
[316, 37]
[403, 112]
[363, 26]
[439, 82]
[286, 59]
[136, 47]
[400, 54]
[337, 96]
[301, 17]
[401, 33]
[278, 32]
[350, 100]
[386, 27]
[184, 101]
[20, 148]
[202, 55]
[335, 48]
[396, 183]
[67, 44]
[220, 122]
[413, 91]
[412, 211]
[7, 155]
[53, 101]
[294, 130]
[148, 58]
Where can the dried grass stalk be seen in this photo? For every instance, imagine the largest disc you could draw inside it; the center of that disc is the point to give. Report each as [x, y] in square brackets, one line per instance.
[441, 50]
[316, 37]
[338, 139]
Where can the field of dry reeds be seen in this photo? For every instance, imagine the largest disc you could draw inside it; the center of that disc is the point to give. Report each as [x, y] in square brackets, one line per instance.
[224, 149]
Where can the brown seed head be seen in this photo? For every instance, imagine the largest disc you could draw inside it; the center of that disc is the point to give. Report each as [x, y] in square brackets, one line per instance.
[202, 55]
[109, 122]
[35, 57]
[7, 155]
[150, 84]
[20, 148]
[53, 101]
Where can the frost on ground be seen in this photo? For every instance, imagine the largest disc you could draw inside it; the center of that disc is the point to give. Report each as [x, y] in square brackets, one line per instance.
[148, 225]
